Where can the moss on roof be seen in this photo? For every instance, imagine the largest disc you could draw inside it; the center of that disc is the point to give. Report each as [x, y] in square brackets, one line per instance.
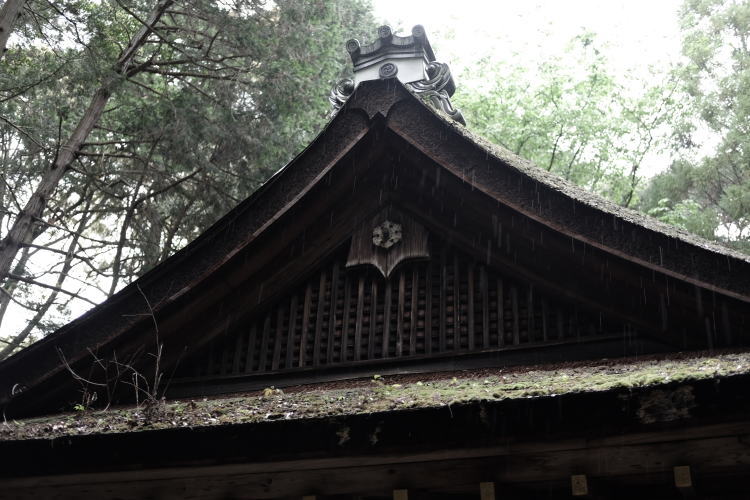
[378, 394]
[578, 193]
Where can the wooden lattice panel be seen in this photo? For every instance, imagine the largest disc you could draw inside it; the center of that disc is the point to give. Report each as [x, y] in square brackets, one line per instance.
[449, 304]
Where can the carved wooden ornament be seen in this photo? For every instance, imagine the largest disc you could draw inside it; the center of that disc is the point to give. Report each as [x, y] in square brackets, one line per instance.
[386, 240]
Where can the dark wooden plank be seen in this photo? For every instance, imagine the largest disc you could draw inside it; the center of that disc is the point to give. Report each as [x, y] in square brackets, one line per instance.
[484, 291]
[373, 320]
[514, 302]
[428, 309]
[332, 313]
[500, 313]
[289, 363]
[545, 332]
[386, 319]
[414, 311]
[470, 300]
[224, 368]
[319, 319]
[400, 313]
[236, 355]
[530, 322]
[456, 305]
[306, 308]
[252, 338]
[278, 340]
[264, 342]
[560, 323]
[210, 366]
[443, 343]
[346, 319]
[359, 319]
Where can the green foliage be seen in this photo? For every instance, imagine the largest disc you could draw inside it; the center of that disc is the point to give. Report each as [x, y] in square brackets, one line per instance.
[570, 116]
[711, 186]
[221, 96]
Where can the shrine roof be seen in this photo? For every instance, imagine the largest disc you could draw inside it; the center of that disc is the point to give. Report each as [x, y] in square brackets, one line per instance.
[388, 394]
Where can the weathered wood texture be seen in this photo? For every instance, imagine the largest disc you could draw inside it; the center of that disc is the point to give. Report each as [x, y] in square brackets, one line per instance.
[343, 315]
[413, 244]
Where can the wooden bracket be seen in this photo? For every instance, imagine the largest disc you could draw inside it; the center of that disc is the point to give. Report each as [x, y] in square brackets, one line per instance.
[579, 485]
[487, 491]
[400, 494]
[683, 481]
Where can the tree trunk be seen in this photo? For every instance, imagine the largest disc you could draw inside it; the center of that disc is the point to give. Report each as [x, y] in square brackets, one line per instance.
[8, 15]
[32, 212]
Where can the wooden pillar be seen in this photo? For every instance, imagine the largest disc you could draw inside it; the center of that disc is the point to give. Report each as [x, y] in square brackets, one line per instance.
[487, 491]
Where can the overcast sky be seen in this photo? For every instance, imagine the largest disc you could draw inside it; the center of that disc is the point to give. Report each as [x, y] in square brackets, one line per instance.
[638, 33]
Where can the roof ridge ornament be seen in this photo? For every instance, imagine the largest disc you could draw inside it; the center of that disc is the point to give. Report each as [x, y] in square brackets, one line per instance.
[437, 89]
[409, 59]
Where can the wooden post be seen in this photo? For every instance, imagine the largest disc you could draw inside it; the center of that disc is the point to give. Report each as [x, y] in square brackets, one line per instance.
[487, 491]
[579, 485]
[400, 494]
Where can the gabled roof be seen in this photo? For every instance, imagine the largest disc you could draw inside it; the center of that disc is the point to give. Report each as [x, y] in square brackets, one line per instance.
[381, 123]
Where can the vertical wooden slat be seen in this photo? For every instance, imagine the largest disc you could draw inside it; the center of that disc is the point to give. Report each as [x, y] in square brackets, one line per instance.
[443, 303]
[249, 364]
[210, 367]
[358, 324]
[560, 323]
[484, 291]
[456, 305]
[332, 313]
[373, 320]
[470, 299]
[306, 308]
[530, 314]
[500, 314]
[400, 313]
[346, 316]
[514, 302]
[237, 349]
[319, 319]
[264, 342]
[290, 333]
[386, 318]
[428, 309]
[726, 324]
[545, 334]
[414, 310]
[224, 369]
[279, 336]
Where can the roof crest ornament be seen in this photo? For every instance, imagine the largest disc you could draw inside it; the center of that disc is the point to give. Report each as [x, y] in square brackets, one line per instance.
[409, 59]
[435, 90]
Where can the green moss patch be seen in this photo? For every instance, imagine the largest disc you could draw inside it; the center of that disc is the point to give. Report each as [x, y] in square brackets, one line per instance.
[381, 394]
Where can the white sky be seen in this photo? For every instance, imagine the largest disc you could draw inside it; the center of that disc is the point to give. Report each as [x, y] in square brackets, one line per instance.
[638, 33]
